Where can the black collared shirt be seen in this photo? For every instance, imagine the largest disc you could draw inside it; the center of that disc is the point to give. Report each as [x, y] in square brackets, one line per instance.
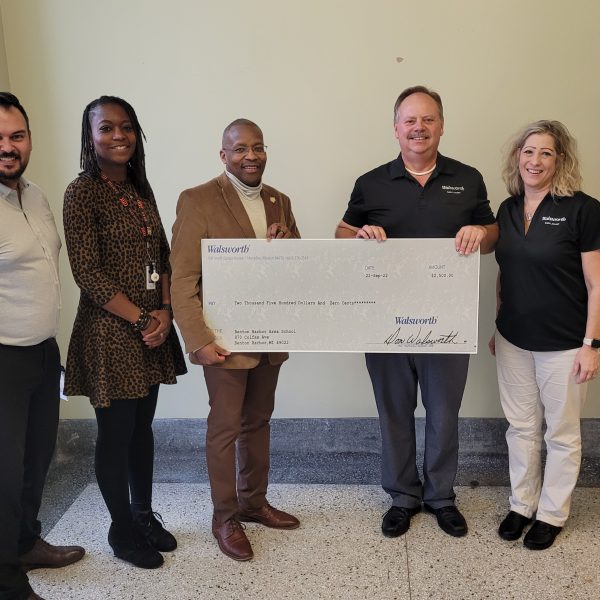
[390, 197]
[542, 288]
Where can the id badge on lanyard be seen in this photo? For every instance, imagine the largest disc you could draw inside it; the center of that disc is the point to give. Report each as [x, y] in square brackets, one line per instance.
[152, 275]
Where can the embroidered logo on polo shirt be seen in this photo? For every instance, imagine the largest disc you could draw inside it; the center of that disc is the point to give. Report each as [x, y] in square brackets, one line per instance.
[453, 189]
[553, 220]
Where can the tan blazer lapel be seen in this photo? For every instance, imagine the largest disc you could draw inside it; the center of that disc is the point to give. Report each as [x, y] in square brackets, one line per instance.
[273, 208]
[235, 206]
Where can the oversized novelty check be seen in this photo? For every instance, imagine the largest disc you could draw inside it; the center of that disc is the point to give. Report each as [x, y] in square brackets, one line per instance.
[401, 295]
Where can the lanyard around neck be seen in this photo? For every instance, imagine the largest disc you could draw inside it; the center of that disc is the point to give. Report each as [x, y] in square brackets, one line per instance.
[130, 202]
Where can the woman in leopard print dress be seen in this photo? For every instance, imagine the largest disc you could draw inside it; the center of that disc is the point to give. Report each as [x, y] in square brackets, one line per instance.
[122, 346]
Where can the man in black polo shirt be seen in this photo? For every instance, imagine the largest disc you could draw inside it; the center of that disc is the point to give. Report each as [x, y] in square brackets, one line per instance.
[421, 194]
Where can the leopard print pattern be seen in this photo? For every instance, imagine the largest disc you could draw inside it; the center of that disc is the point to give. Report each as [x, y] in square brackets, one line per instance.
[107, 360]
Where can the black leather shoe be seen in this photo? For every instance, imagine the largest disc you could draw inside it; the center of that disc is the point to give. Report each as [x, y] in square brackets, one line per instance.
[130, 545]
[396, 521]
[512, 527]
[449, 519]
[150, 525]
[541, 536]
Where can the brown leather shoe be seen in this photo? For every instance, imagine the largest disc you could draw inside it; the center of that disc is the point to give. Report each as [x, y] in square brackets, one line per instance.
[46, 556]
[269, 516]
[232, 540]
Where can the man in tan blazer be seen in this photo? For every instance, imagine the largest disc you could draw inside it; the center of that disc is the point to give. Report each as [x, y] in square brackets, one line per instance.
[241, 386]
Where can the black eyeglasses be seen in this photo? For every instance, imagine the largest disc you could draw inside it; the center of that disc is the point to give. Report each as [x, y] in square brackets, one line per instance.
[243, 150]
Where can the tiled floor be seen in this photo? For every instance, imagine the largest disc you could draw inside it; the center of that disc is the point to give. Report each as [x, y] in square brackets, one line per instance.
[338, 552]
[71, 473]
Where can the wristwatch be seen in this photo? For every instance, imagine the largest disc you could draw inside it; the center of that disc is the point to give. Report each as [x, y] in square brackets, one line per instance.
[593, 342]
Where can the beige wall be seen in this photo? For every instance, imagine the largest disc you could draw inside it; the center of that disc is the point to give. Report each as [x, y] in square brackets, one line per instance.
[4, 81]
[320, 77]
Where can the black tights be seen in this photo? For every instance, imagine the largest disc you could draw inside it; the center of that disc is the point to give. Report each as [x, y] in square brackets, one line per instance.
[125, 455]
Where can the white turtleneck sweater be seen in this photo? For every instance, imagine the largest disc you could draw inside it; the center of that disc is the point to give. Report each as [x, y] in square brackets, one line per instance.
[252, 201]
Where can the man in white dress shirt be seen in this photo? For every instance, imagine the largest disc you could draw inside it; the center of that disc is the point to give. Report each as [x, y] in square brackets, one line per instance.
[29, 359]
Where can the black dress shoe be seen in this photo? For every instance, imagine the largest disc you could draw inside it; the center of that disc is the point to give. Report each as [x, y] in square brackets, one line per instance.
[150, 525]
[449, 519]
[396, 521]
[512, 527]
[541, 535]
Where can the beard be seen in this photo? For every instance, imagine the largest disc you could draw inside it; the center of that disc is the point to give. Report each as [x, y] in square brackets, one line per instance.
[12, 175]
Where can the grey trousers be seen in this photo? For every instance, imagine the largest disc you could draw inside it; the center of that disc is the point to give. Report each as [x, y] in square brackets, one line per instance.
[395, 379]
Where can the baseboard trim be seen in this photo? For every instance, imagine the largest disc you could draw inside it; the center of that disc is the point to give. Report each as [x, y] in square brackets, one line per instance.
[478, 436]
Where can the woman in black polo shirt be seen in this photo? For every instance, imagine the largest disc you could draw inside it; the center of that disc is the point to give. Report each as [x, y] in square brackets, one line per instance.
[548, 324]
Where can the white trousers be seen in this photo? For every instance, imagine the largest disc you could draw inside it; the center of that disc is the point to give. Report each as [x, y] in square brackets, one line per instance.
[535, 386]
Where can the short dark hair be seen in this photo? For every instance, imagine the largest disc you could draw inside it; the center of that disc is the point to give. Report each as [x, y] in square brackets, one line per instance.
[419, 89]
[137, 165]
[7, 100]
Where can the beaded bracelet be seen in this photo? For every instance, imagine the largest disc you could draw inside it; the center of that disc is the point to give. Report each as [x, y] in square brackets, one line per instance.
[166, 306]
[143, 320]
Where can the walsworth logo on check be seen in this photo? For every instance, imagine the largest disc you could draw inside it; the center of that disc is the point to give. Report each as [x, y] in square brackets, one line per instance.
[401, 295]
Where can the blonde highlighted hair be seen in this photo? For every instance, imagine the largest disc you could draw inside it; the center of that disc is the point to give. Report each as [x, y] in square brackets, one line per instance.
[567, 178]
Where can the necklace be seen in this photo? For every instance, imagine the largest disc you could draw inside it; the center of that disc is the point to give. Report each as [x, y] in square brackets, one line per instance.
[423, 173]
[130, 202]
[529, 213]
[144, 224]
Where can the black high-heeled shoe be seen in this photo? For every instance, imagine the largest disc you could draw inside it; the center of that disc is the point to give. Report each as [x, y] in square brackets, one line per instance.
[130, 545]
[151, 525]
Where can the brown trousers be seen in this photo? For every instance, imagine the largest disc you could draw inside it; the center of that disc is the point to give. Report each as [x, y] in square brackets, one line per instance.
[241, 403]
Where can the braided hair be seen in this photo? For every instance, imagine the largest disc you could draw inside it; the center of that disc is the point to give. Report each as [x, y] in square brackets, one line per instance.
[136, 167]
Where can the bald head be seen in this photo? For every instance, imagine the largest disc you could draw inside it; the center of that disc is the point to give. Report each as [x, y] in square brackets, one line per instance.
[234, 125]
